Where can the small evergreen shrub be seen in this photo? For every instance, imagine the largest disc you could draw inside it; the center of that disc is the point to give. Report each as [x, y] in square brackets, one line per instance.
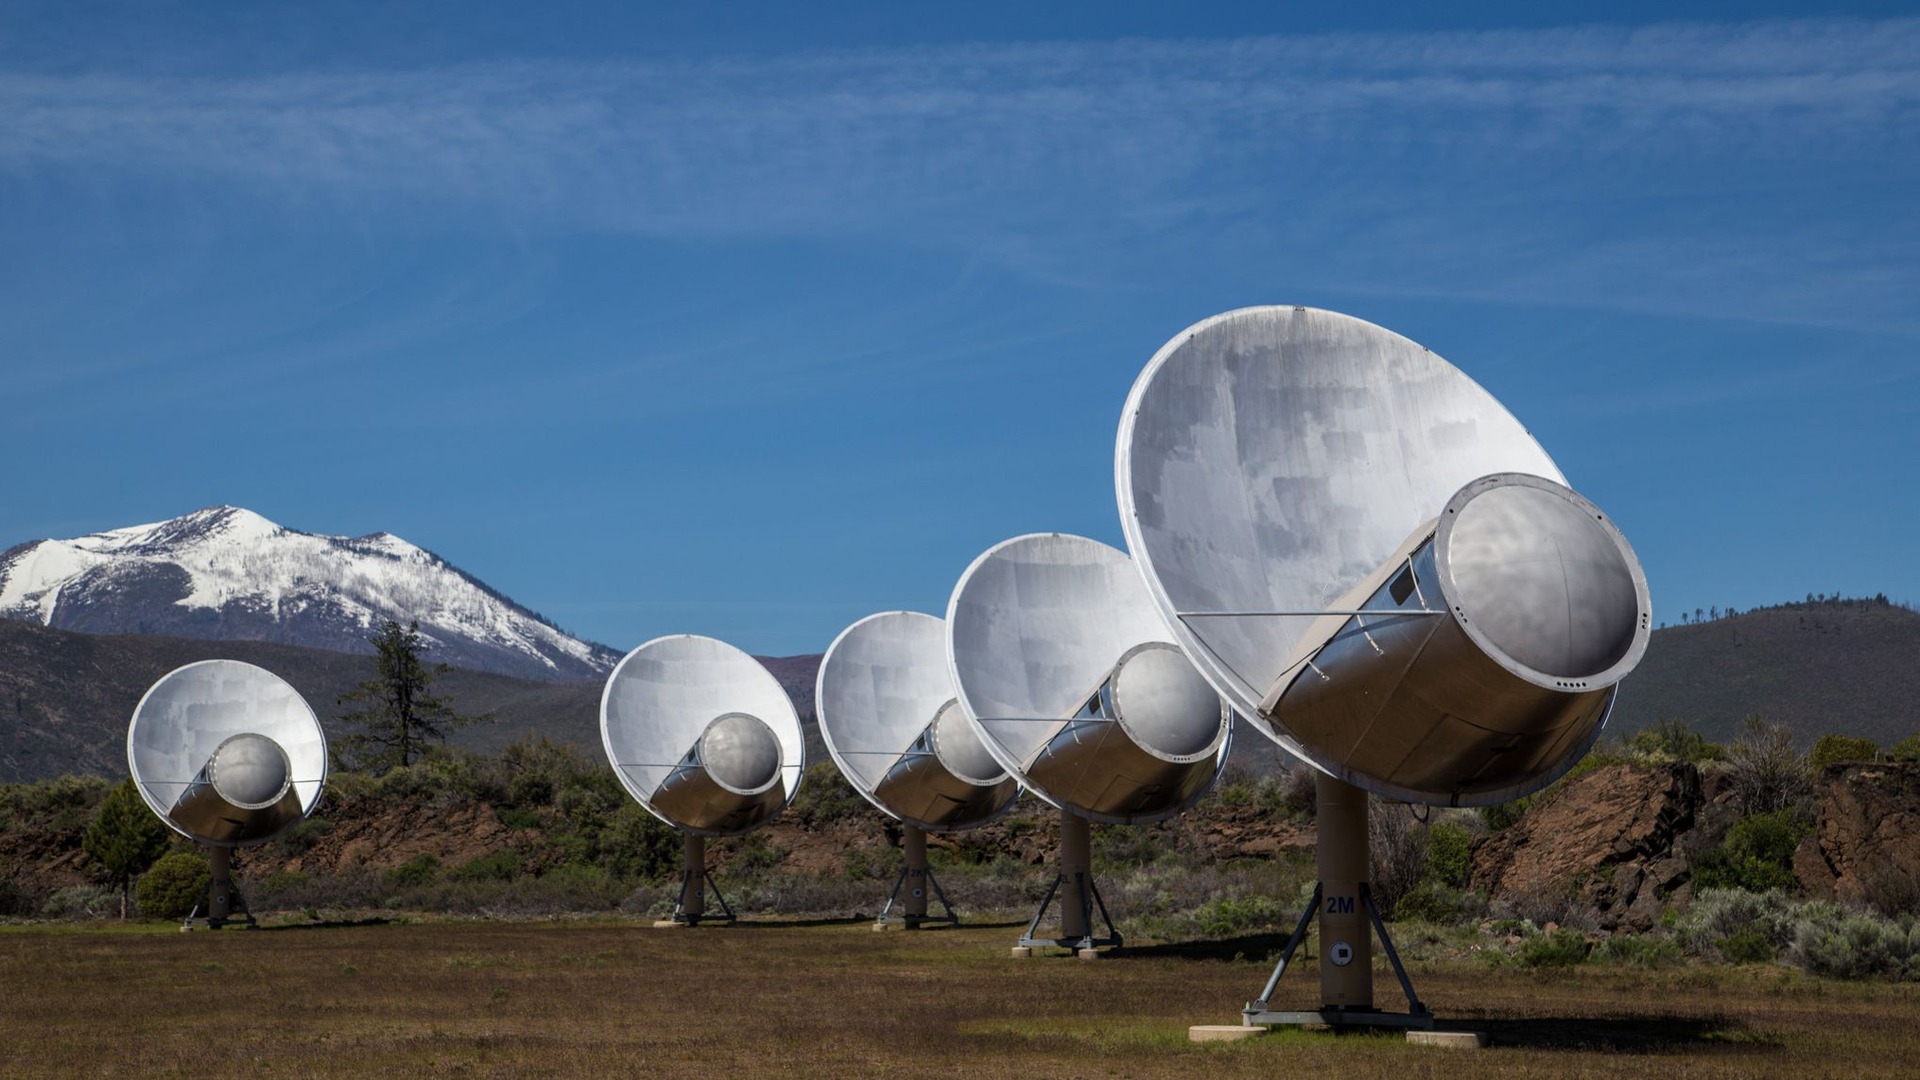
[1449, 854]
[174, 886]
[1833, 749]
[499, 866]
[1757, 854]
[418, 870]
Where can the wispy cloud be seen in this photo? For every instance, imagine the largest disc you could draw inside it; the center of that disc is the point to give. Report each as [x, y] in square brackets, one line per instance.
[1497, 154]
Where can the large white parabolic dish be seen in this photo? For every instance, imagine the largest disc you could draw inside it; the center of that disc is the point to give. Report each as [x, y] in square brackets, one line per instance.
[890, 718]
[1037, 629]
[680, 718]
[1271, 459]
[227, 753]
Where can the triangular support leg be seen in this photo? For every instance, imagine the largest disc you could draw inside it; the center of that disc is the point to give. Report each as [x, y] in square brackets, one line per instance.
[910, 920]
[1259, 1012]
[1086, 895]
[224, 903]
[691, 907]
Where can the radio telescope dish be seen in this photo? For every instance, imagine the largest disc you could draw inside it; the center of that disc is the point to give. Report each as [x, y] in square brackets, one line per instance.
[1371, 559]
[228, 755]
[704, 738]
[890, 718]
[1063, 664]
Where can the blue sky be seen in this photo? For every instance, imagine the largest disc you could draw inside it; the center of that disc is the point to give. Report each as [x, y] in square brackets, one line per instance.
[749, 321]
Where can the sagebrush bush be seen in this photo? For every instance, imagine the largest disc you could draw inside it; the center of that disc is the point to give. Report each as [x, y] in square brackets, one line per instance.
[1754, 925]
[1435, 901]
[1640, 950]
[174, 886]
[1561, 948]
[82, 902]
[1856, 944]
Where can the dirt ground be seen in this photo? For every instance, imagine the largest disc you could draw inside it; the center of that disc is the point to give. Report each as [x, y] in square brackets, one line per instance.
[599, 998]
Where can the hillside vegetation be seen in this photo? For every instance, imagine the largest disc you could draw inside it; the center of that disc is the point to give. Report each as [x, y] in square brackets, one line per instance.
[1847, 666]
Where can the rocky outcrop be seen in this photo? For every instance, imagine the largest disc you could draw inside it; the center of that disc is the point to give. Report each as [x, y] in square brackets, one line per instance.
[1865, 845]
[1608, 840]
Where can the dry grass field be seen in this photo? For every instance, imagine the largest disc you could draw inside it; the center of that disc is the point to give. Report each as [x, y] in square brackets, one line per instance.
[596, 999]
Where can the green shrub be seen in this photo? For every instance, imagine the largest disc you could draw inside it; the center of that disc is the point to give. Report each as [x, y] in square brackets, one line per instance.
[1855, 945]
[1229, 916]
[1756, 855]
[1449, 854]
[514, 817]
[1497, 816]
[1437, 902]
[635, 845]
[1833, 749]
[1907, 749]
[1562, 948]
[82, 902]
[1749, 946]
[1672, 740]
[499, 866]
[418, 870]
[1639, 950]
[174, 886]
[1722, 918]
[825, 797]
[753, 854]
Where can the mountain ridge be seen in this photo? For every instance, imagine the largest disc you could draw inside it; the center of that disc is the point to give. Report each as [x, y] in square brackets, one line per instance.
[226, 573]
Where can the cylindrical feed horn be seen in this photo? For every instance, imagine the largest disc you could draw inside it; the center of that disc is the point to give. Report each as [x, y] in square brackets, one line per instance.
[1502, 628]
[1144, 744]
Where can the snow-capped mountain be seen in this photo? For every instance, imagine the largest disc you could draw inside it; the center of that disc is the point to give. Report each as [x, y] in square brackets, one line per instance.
[230, 574]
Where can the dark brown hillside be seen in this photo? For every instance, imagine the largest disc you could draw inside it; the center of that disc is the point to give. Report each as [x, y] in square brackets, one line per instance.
[1849, 666]
[65, 697]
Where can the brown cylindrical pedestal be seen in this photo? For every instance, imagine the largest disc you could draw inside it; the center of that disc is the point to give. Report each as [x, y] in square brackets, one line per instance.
[220, 886]
[693, 879]
[1346, 939]
[1076, 872]
[913, 847]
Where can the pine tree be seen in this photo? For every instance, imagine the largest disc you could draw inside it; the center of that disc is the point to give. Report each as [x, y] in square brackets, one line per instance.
[125, 837]
[399, 714]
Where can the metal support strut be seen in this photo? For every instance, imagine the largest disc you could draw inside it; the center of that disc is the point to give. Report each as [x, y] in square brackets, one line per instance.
[1081, 897]
[1343, 902]
[691, 907]
[223, 898]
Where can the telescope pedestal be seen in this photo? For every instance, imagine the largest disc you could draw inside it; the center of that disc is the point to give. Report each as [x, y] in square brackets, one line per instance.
[1343, 901]
[222, 897]
[691, 908]
[910, 888]
[1079, 896]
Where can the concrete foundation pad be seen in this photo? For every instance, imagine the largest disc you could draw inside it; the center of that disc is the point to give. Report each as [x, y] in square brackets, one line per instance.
[1222, 1032]
[668, 924]
[1021, 952]
[1457, 1040]
[1087, 954]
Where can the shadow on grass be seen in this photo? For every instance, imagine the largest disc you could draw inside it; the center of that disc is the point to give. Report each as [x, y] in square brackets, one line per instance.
[328, 924]
[1255, 947]
[749, 922]
[1616, 1034]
